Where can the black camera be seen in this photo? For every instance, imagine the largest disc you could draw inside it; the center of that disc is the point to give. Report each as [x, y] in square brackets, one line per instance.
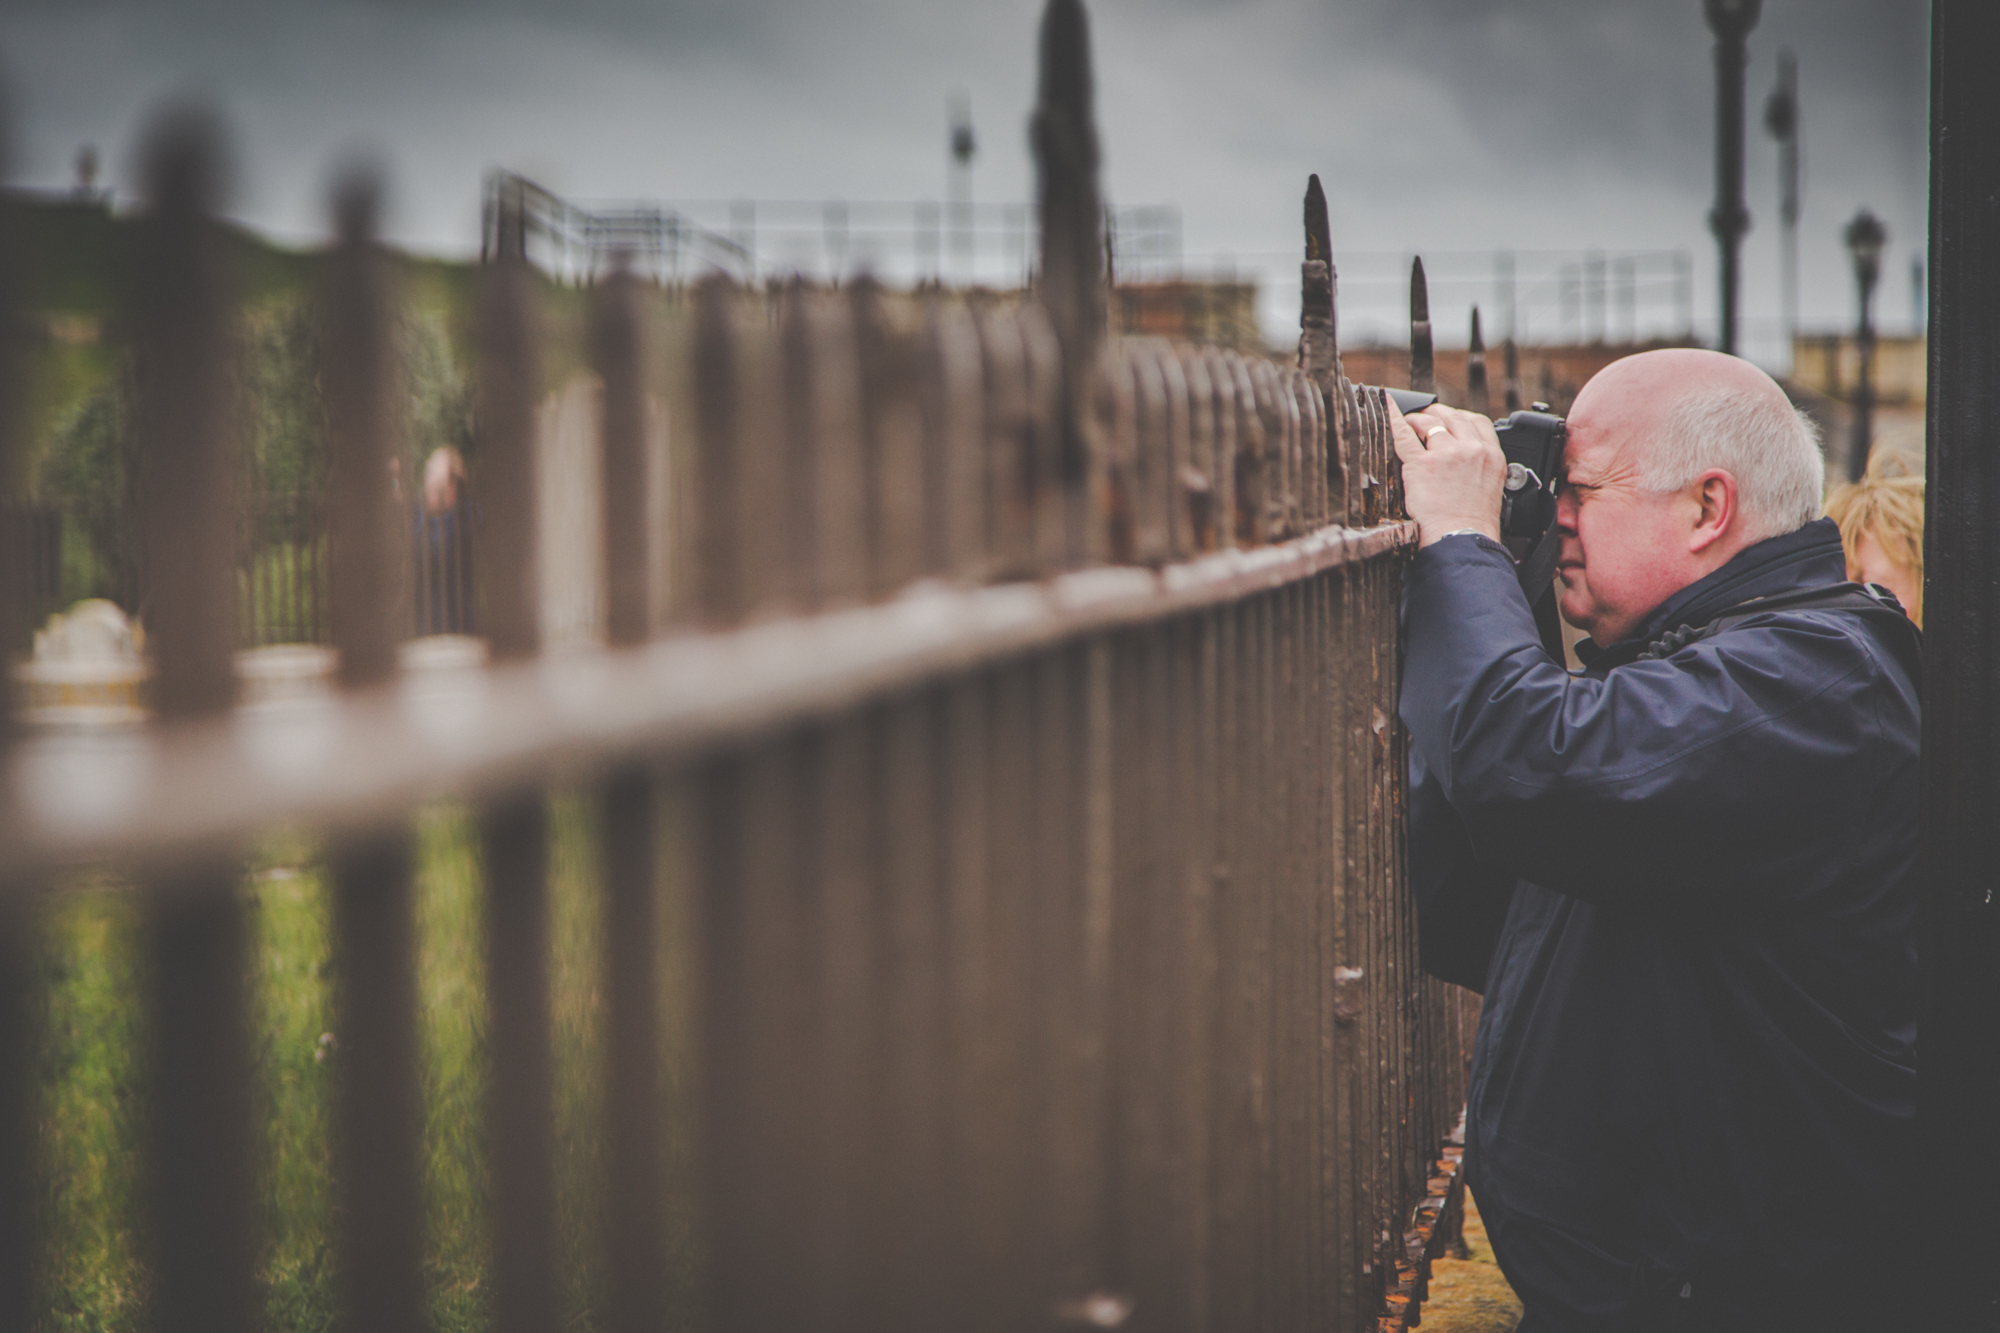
[1533, 444]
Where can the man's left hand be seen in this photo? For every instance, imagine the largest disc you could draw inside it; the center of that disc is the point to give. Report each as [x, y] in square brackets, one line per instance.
[1453, 471]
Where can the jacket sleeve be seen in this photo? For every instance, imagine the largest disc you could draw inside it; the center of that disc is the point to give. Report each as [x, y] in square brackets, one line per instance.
[1665, 782]
[1461, 903]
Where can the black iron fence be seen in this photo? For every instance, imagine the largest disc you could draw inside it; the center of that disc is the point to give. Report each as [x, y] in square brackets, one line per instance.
[999, 817]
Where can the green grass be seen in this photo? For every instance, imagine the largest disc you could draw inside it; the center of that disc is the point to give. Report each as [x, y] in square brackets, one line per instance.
[92, 1264]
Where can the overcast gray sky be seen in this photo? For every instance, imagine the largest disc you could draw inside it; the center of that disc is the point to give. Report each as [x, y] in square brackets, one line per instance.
[1439, 125]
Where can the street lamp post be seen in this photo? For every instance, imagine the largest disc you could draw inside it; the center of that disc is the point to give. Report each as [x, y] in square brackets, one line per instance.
[963, 147]
[1731, 22]
[1781, 118]
[1865, 236]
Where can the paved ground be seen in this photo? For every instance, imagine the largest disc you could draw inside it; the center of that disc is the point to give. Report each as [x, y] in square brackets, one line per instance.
[1470, 1295]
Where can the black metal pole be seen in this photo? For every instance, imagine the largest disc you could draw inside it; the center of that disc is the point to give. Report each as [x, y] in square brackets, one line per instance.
[1731, 21]
[1781, 118]
[1864, 389]
[1959, 1077]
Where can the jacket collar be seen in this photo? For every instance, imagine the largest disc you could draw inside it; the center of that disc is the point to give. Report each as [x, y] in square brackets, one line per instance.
[1807, 557]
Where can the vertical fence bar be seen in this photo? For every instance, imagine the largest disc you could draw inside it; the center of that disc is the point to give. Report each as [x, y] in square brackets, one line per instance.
[916, 1267]
[954, 450]
[720, 588]
[797, 495]
[513, 828]
[845, 1274]
[374, 928]
[1223, 444]
[839, 474]
[1009, 444]
[1476, 397]
[634, 1220]
[1198, 488]
[1319, 346]
[618, 354]
[1114, 508]
[1353, 1032]
[1160, 453]
[892, 440]
[1063, 131]
[1046, 484]
[198, 1151]
[19, 1003]
[974, 1158]
[1237, 1124]
[1018, 1116]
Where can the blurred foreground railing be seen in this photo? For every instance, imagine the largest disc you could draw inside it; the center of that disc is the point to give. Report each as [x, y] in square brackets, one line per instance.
[1013, 747]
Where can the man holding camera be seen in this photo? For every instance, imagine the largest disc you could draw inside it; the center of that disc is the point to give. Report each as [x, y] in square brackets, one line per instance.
[1682, 878]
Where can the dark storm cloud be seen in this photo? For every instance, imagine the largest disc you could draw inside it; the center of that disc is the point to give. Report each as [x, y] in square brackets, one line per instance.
[1439, 124]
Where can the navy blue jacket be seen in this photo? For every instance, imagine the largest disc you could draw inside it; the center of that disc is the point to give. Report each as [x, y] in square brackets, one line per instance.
[1686, 889]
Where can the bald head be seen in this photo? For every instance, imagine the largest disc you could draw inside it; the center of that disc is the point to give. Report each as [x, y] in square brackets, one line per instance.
[1681, 411]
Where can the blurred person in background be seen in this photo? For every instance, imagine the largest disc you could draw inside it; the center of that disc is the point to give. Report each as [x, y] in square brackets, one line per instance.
[1881, 520]
[443, 560]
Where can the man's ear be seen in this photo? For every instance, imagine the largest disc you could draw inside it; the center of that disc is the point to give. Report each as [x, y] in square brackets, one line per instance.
[1714, 493]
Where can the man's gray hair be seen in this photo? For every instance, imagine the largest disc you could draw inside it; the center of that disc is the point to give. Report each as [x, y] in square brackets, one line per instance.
[1771, 449]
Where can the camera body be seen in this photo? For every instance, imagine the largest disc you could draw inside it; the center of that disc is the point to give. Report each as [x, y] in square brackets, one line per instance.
[1533, 444]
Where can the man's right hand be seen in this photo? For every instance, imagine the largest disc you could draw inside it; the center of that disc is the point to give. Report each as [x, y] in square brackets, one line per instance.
[1453, 471]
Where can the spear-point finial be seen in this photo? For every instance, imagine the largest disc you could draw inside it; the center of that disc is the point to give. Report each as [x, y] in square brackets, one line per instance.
[1316, 287]
[1319, 235]
[1475, 368]
[1513, 385]
[1063, 132]
[1423, 370]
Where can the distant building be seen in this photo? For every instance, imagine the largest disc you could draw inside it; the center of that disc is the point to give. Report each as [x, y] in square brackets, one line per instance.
[1549, 375]
[1219, 313]
[1830, 364]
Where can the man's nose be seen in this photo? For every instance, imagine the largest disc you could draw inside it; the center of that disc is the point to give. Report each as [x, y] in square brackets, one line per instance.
[1566, 513]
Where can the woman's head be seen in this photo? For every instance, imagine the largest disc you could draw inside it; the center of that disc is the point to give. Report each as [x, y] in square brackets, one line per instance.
[1881, 520]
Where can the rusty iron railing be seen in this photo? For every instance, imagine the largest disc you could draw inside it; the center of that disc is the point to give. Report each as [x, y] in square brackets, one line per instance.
[1013, 742]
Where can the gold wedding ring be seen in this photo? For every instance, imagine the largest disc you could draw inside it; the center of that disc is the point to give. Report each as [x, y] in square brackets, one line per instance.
[1433, 432]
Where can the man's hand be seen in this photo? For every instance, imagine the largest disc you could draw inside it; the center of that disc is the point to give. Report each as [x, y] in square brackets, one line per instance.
[1453, 470]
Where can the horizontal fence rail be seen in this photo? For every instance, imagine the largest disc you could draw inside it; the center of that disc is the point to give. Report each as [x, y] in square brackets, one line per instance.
[980, 733]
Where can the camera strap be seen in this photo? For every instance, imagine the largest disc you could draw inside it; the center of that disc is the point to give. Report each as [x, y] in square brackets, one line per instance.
[1538, 572]
[1537, 575]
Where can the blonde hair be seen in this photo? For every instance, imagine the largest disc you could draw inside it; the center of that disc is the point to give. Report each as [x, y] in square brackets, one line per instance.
[1890, 505]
